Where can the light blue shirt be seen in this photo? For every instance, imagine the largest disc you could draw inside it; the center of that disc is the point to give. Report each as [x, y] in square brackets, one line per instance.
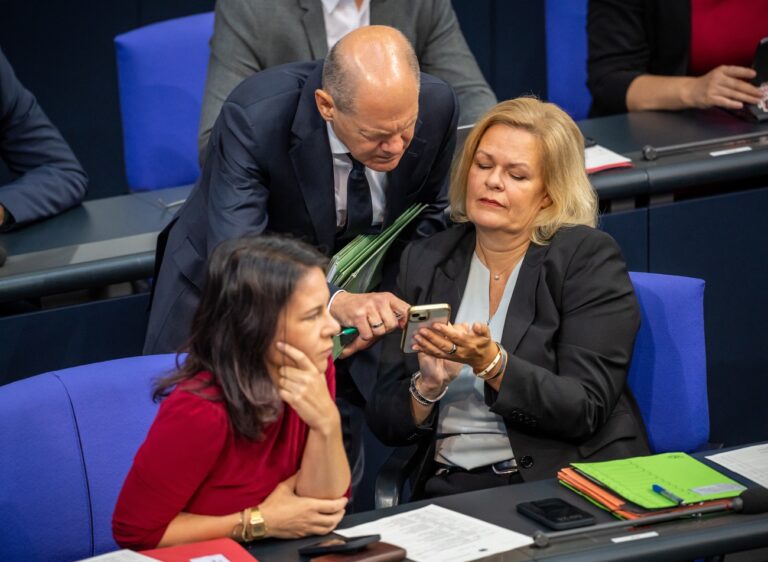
[469, 434]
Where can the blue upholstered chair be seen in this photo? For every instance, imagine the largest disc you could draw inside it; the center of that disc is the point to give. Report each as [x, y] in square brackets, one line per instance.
[668, 375]
[566, 29]
[161, 74]
[67, 440]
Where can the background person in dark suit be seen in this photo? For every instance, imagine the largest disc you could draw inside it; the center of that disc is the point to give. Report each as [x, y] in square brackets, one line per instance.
[280, 159]
[531, 375]
[252, 35]
[50, 179]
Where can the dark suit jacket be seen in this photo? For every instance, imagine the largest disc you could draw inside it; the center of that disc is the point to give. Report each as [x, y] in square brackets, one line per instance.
[252, 35]
[269, 168]
[570, 330]
[627, 38]
[50, 179]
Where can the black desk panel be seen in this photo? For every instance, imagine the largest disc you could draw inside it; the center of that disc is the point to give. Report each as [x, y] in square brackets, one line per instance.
[722, 239]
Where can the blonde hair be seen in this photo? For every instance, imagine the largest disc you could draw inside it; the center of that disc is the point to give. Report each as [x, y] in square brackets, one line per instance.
[561, 146]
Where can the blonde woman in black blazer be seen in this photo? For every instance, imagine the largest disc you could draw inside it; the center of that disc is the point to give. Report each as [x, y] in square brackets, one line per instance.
[556, 379]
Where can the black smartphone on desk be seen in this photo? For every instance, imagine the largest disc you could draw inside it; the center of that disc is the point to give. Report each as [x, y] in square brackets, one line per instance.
[338, 545]
[556, 514]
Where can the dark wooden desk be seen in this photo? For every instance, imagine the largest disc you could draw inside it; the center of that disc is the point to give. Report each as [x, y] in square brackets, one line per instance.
[680, 540]
[687, 173]
[101, 242]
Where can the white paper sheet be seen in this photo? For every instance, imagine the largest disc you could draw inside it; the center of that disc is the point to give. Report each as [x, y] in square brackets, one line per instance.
[600, 158]
[124, 555]
[436, 534]
[750, 462]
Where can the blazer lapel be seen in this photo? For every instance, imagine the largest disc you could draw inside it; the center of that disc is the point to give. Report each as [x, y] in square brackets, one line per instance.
[522, 306]
[314, 27]
[310, 155]
[451, 275]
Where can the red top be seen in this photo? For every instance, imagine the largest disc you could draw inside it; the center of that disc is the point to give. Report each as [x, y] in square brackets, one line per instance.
[725, 32]
[192, 461]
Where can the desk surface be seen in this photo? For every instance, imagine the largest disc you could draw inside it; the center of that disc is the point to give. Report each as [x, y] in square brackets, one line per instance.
[97, 243]
[628, 133]
[679, 540]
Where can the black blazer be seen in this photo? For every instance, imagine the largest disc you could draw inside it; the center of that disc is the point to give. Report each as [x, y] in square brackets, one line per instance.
[269, 169]
[627, 38]
[50, 179]
[570, 331]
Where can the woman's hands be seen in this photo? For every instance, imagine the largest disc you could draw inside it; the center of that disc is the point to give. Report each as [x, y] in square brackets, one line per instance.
[304, 388]
[440, 362]
[724, 86]
[288, 516]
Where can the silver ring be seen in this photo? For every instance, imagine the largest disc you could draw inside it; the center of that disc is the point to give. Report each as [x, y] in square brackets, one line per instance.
[452, 350]
[379, 325]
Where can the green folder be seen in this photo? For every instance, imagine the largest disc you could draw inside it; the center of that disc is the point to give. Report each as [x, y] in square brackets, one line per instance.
[679, 473]
[357, 266]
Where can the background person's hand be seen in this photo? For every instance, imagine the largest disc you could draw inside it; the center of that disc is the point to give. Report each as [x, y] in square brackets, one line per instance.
[373, 314]
[288, 516]
[305, 389]
[725, 86]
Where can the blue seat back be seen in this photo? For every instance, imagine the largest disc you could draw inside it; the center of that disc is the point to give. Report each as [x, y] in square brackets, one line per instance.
[161, 76]
[566, 30]
[668, 374]
[68, 439]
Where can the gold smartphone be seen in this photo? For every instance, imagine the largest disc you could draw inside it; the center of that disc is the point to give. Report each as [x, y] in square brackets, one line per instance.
[420, 316]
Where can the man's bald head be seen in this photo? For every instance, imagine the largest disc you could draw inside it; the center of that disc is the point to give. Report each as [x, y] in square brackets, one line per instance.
[370, 95]
[374, 58]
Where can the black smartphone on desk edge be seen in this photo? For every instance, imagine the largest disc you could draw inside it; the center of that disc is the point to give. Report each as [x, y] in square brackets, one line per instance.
[556, 514]
[338, 545]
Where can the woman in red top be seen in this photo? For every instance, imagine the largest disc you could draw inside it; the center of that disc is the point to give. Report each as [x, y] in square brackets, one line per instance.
[673, 54]
[247, 442]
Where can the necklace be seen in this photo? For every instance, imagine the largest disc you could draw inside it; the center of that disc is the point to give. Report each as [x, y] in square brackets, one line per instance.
[496, 276]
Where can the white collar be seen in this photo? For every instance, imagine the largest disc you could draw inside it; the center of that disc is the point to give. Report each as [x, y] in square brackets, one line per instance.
[330, 5]
[337, 147]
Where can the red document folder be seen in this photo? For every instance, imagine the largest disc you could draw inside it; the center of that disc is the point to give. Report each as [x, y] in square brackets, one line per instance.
[184, 552]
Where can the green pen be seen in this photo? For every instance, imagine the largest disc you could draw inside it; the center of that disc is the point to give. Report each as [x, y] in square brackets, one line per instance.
[347, 336]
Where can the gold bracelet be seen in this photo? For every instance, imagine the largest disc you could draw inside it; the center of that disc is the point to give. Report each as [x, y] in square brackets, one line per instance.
[238, 531]
[482, 374]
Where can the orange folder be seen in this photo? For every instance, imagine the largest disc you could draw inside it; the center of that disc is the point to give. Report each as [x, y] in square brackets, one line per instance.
[609, 501]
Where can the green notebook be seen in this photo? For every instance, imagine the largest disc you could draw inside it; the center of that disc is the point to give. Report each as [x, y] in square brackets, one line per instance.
[682, 475]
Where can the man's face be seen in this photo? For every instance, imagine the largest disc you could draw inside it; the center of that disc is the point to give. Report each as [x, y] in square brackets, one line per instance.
[379, 127]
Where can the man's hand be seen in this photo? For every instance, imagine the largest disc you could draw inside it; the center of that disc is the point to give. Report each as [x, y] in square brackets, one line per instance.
[288, 516]
[373, 314]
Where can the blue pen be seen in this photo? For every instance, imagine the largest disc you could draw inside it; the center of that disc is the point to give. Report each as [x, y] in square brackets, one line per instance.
[667, 494]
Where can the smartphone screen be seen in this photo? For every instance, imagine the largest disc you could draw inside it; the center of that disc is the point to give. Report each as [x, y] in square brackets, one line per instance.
[421, 316]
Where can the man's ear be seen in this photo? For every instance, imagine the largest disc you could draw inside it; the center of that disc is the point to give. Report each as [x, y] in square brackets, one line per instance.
[325, 105]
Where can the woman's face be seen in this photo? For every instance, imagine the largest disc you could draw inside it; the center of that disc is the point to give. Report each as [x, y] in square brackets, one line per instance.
[305, 323]
[505, 189]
